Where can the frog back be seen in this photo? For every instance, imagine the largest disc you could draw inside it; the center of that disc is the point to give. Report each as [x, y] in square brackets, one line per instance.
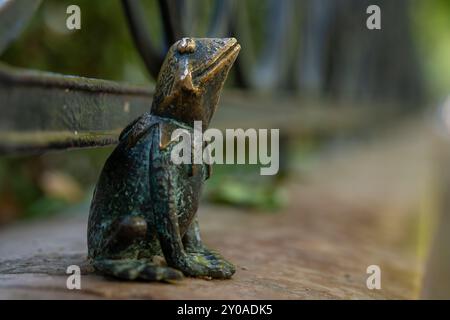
[123, 187]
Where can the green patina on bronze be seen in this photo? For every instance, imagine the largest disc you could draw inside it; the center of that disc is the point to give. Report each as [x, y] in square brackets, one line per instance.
[144, 206]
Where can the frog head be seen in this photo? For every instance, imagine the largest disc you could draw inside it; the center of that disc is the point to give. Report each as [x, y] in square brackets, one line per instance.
[191, 79]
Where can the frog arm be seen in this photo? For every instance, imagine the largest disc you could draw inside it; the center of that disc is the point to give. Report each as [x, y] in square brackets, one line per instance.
[164, 199]
[138, 127]
[127, 129]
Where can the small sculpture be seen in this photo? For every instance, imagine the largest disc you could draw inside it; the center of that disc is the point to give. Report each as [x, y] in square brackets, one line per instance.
[144, 206]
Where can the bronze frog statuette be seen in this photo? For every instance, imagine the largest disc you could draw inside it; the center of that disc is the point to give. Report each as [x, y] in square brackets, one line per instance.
[144, 205]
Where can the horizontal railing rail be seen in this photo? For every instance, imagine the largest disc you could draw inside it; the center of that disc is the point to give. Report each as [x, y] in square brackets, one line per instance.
[43, 111]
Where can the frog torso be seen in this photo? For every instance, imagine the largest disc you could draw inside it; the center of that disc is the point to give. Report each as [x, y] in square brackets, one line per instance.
[124, 188]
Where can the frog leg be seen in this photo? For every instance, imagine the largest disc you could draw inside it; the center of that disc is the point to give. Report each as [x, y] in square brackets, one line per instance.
[193, 243]
[125, 233]
[136, 269]
[165, 191]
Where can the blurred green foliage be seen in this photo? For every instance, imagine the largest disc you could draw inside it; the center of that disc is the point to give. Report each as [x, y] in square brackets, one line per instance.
[103, 48]
[37, 186]
[431, 22]
[242, 186]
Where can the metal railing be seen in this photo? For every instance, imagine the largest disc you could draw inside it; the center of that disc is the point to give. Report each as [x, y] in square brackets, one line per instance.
[45, 111]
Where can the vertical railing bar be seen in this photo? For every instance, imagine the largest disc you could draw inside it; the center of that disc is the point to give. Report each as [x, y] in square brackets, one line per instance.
[171, 18]
[151, 56]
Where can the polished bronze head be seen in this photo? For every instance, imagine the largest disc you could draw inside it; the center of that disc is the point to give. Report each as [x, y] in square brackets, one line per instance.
[191, 78]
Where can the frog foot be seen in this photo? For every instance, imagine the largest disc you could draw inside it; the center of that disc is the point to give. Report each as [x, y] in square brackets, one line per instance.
[136, 269]
[207, 263]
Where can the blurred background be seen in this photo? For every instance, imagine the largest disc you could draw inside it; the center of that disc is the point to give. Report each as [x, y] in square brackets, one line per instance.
[317, 48]
[307, 55]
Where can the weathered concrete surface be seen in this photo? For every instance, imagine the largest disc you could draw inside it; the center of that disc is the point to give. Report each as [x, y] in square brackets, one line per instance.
[351, 210]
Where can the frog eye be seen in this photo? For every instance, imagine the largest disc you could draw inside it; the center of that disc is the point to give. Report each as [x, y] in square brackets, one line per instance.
[186, 45]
